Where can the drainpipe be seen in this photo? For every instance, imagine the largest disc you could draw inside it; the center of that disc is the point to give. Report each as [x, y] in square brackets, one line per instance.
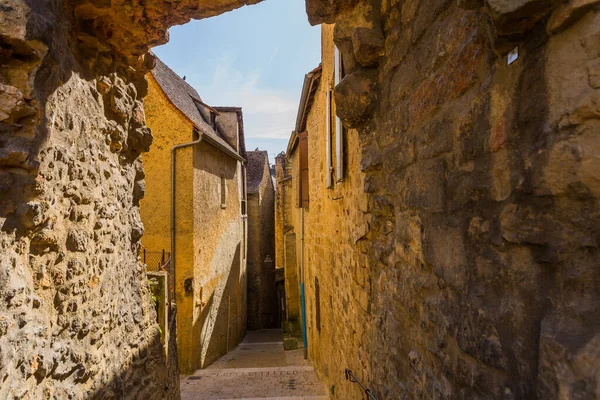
[173, 172]
[302, 297]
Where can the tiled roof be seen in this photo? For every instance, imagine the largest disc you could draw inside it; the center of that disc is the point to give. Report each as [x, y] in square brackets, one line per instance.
[256, 169]
[182, 95]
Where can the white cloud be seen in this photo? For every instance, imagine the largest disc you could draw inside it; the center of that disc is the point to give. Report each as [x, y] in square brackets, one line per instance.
[268, 112]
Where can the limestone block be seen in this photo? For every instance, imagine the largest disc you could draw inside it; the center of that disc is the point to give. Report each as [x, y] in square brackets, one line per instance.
[12, 104]
[594, 73]
[444, 250]
[368, 45]
[77, 240]
[564, 368]
[517, 16]
[355, 97]
[470, 4]
[140, 139]
[424, 185]
[588, 145]
[568, 13]
[325, 11]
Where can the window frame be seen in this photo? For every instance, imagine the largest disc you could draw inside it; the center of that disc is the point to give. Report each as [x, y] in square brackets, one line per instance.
[338, 72]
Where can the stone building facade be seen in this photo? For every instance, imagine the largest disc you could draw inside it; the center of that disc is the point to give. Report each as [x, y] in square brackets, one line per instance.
[480, 181]
[262, 295]
[322, 229]
[210, 260]
[452, 261]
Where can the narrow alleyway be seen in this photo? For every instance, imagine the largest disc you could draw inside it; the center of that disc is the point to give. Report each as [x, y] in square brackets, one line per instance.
[258, 368]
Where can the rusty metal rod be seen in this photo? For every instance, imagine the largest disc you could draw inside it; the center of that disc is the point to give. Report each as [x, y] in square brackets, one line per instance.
[353, 379]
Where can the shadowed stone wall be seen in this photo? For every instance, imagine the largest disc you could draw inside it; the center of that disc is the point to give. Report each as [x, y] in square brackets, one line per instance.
[482, 220]
[262, 295]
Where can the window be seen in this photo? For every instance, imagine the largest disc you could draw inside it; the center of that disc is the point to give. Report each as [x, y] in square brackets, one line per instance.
[334, 130]
[223, 192]
[303, 170]
[339, 129]
[243, 200]
[328, 167]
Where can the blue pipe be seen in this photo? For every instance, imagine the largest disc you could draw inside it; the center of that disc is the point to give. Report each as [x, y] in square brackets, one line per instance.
[303, 303]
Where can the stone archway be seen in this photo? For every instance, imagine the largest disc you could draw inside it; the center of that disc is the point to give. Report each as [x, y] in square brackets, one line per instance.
[482, 180]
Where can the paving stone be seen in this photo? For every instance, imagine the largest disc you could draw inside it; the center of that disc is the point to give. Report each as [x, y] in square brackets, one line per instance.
[256, 369]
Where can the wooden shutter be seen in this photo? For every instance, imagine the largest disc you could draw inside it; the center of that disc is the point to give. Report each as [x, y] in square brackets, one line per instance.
[303, 147]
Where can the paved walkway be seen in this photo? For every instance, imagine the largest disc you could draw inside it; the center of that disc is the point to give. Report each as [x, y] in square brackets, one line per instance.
[258, 368]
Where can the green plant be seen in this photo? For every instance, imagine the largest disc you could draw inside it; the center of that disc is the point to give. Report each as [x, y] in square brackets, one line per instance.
[154, 288]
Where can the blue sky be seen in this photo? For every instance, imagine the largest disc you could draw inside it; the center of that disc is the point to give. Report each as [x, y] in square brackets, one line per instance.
[254, 57]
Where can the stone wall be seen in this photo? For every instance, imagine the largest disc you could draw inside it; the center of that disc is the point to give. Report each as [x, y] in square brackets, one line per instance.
[76, 318]
[262, 296]
[287, 233]
[335, 224]
[254, 261]
[219, 275]
[170, 127]
[280, 208]
[474, 272]
[268, 295]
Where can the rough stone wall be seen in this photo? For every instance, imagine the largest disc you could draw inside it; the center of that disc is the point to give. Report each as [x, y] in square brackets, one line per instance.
[254, 262]
[219, 276]
[280, 208]
[172, 355]
[291, 239]
[335, 223]
[76, 318]
[268, 295]
[481, 242]
[262, 296]
[285, 236]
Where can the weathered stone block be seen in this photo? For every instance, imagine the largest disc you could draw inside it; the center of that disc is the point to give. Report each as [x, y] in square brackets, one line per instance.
[368, 46]
[564, 368]
[325, 11]
[518, 16]
[444, 250]
[594, 74]
[355, 97]
[424, 185]
[568, 13]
